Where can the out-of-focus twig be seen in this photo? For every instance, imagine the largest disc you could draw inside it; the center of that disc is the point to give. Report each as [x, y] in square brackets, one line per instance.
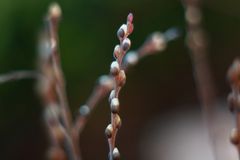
[197, 43]
[234, 100]
[53, 18]
[51, 89]
[19, 75]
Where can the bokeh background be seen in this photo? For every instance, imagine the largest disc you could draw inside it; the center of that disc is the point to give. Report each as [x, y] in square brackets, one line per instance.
[159, 102]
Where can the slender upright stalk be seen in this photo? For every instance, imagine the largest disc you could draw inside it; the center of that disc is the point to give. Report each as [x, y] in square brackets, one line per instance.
[234, 100]
[154, 44]
[197, 44]
[53, 18]
[118, 73]
[51, 88]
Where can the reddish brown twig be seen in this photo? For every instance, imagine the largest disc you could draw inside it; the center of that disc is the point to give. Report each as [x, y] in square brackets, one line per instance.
[51, 89]
[53, 18]
[234, 100]
[197, 44]
[116, 70]
[19, 75]
[154, 44]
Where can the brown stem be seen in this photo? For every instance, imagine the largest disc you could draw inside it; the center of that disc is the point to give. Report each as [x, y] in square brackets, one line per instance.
[19, 75]
[234, 100]
[60, 83]
[197, 44]
[52, 90]
[154, 44]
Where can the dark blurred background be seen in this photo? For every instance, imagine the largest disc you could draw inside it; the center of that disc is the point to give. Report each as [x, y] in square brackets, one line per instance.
[158, 88]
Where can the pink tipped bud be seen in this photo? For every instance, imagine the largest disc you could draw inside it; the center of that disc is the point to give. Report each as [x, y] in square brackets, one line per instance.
[129, 23]
[130, 17]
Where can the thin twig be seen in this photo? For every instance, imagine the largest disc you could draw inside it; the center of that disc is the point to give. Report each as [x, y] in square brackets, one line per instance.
[154, 44]
[197, 44]
[53, 18]
[19, 75]
[51, 89]
[116, 70]
[234, 100]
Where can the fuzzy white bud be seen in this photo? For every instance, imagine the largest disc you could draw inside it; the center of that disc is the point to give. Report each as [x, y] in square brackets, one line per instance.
[114, 105]
[117, 52]
[126, 44]
[122, 31]
[158, 41]
[131, 58]
[106, 81]
[84, 110]
[55, 10]
[118, 121]
[116, 154]
[108, 131]
[111, 96]
[114, 69]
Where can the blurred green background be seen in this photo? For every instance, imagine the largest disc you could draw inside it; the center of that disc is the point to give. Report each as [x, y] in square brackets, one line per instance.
[157, 85]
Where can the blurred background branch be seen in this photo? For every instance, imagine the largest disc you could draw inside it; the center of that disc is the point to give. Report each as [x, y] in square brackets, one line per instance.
[86, 38]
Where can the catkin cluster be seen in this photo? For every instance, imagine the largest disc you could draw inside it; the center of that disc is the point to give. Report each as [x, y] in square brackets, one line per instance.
[117, 71]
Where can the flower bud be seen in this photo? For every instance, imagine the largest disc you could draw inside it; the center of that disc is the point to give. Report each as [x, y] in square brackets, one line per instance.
[234, 74]
[131, 58]
[234, 137]
[108, 131]
[126, 44]
[121, 78]
[114, 69]
[130, 17]
[122, 31]
[118, 121]
[111, 96]
[129, 23]
[55, 11]
[84, 110]
[158, 42]
[115, 105]
[116, 154]
[117, 52]
[106, 81]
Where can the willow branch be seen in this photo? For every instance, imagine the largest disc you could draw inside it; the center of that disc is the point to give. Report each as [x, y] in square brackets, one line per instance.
[51, 89]
[116, 70]
[154, 44]
[53, 18]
